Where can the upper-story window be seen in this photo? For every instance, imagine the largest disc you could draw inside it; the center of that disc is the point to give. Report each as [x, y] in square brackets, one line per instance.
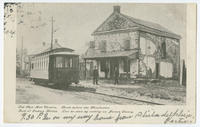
[163, 49]
[102, 46]
[127, 44]
[32, 66]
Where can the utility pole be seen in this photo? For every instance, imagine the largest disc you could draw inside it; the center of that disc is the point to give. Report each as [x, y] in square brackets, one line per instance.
[22, 56]
[52, 33]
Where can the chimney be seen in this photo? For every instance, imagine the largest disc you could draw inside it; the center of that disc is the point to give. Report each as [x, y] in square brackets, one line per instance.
[116, 9]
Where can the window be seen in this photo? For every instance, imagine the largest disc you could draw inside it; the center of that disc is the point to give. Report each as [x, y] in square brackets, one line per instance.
[59, 62]
[103, 46]
[68, 62]
[47, 65]
[43, 64]
[126, 65]
[39, 64]
[75, 62]
[32, 66]
[164, 50]
[127, 44]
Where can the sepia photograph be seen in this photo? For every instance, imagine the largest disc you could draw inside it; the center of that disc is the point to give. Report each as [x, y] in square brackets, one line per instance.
[114, 54]
[119, 63]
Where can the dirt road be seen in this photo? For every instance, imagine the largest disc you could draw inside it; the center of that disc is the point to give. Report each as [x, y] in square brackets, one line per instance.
[29, 93]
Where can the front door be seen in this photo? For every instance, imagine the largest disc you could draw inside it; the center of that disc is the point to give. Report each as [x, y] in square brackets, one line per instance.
[113, 63]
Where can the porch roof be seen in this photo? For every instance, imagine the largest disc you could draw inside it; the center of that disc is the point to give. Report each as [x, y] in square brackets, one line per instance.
[114, 54]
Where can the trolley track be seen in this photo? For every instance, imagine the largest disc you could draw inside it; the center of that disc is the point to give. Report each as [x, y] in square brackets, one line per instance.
[143, 101]
[103, 94]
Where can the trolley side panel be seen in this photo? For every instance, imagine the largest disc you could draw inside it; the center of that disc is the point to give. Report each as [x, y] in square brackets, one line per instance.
[39, 74]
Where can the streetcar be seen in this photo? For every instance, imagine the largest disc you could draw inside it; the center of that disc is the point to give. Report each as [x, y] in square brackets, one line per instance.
[58, 67]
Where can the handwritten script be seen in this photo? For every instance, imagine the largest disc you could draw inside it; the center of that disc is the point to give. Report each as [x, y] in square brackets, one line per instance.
[88, 114]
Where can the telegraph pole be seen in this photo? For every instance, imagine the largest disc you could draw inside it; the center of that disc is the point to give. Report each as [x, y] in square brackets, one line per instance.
[52, 33]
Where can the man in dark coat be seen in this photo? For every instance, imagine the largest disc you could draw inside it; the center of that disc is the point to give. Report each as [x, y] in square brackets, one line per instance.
[95, 75]
[116, 74]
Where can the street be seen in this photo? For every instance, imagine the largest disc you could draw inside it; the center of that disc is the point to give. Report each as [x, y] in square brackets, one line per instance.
[29, 93]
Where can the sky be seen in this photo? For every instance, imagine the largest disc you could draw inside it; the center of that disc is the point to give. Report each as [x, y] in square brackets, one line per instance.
[74, 23]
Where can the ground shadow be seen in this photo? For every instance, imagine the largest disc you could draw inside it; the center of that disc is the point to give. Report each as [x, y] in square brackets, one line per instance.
[69, 88]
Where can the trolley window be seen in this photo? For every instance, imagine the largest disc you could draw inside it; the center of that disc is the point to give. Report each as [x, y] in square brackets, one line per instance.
[75, 62]
[68, 62]
[59, 62]
[32, 66]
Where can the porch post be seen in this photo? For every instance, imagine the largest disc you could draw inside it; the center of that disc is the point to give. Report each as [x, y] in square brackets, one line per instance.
[109, 69]
[127, 68]
[85, 70]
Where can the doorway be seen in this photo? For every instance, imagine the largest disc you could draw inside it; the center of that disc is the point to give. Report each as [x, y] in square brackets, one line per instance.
[157, 69]
[113, 63]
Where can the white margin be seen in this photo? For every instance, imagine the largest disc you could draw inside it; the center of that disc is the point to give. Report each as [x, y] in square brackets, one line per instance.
[100, 125]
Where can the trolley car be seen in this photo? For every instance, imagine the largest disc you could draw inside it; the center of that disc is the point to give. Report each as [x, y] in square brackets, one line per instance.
[59, 67]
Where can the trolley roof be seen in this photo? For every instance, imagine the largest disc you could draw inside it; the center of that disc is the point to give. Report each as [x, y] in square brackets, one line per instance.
[65, 53]
[57, 48]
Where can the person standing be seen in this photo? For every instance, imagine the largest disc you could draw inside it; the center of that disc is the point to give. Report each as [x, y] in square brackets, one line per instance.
[95, 75]
[116, 74]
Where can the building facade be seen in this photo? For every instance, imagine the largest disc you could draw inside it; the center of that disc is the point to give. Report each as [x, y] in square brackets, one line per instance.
[137, 48]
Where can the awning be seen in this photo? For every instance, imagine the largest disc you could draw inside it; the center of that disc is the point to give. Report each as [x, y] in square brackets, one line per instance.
[132, 54]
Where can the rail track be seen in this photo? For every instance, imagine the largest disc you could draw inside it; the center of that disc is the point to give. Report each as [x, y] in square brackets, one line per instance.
[143, 101]
[119, 97]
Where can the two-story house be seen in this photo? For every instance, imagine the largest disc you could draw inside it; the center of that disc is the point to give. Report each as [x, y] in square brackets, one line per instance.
[137, 48]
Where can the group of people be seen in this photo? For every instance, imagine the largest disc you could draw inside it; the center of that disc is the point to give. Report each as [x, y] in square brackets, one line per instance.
[96, 75]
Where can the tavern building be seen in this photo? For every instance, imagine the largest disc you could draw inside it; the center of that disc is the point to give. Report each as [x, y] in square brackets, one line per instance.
[139, 49]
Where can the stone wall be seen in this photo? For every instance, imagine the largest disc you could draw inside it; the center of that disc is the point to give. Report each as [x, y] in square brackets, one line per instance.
[150, 53]
[151, 48]
[115, 41]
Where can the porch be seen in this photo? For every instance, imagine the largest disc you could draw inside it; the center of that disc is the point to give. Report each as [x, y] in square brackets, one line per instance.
[126, 63]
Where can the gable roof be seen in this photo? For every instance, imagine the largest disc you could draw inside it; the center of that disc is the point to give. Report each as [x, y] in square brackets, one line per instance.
[137, 24]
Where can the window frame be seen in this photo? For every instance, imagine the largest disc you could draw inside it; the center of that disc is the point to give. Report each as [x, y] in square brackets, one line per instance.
[56, 62]
[69, 62]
